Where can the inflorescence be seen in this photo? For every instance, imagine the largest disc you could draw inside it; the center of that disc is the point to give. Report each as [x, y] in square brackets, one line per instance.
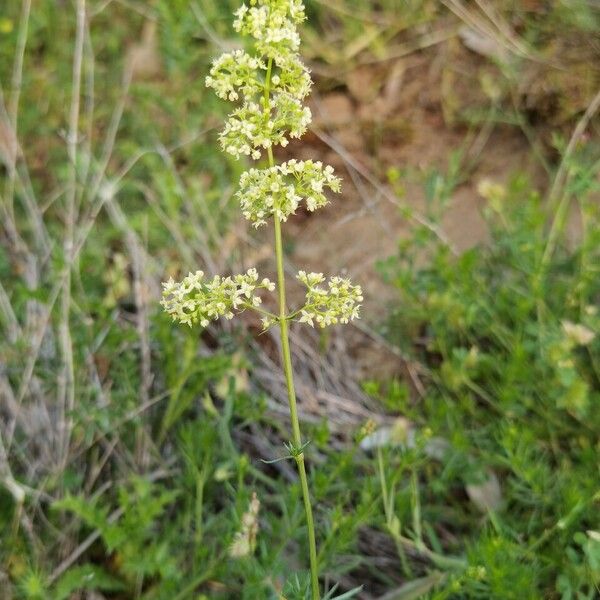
[277, 191]
[339, 303]
[199, 300]
[267, 116]
[268, 84]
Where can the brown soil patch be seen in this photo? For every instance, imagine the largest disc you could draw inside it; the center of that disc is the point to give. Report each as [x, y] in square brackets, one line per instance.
[382, 119]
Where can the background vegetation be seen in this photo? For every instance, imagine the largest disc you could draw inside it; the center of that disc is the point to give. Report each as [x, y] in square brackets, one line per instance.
[455, 429]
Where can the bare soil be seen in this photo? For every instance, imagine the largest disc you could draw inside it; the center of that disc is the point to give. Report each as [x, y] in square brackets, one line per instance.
[393, 117]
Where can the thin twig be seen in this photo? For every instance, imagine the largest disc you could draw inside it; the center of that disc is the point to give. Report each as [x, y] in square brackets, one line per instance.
[140, 289]
[557, 195]
[13, 102]
[67, 379]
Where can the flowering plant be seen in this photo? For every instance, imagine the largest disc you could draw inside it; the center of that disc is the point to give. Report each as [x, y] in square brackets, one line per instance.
[269, 85]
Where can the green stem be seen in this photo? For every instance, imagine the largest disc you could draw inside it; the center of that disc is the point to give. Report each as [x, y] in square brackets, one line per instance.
[388, 510]
[259, 310]
[289, 378]
[289, 381]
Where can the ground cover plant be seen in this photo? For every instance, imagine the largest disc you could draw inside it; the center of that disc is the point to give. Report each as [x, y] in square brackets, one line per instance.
[509, 335]
[458, 460]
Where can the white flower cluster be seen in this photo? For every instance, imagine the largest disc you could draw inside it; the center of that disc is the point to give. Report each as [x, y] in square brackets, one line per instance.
[199, 300]
[291, 78]
[253, 127]
[269, 85]
[273, 24]
[280, 189]
[339, 303]
[234, 73]
[264, 120]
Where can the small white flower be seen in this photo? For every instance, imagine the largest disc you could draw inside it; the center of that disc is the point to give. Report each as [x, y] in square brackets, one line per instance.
[267, 284]
[268, 322]
[306, 318]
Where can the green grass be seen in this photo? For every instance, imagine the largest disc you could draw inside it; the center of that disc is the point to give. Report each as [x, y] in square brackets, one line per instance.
[170, 429]
[513, 390]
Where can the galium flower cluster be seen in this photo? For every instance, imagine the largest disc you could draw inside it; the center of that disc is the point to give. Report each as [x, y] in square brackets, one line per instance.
[233, 74]
[273, 25]
[200, 300]
[338, 303]
[278, 191]
[269, 85]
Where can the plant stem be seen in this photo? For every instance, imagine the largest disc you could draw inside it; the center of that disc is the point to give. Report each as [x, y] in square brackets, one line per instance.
[289, 379]
[388, 510]
[296, 437]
